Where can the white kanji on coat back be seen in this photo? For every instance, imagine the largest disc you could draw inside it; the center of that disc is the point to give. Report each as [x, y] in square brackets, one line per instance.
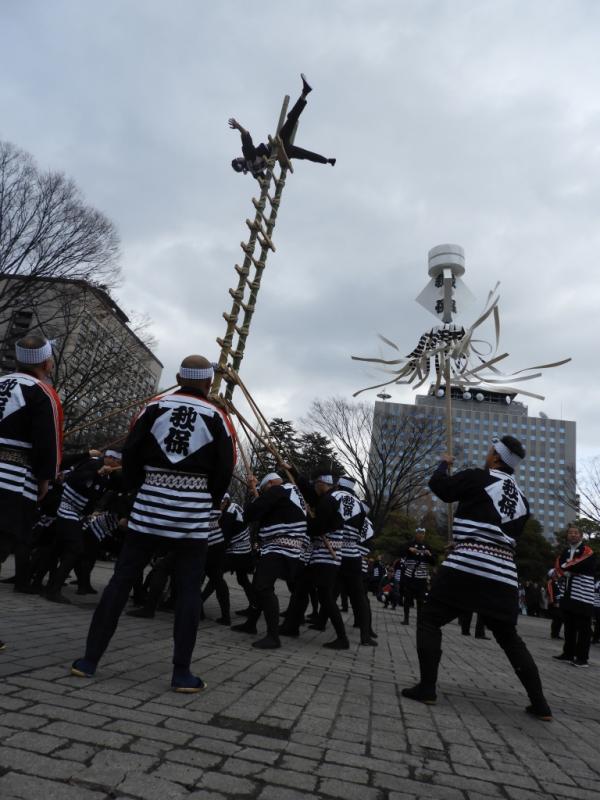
[11, 397]
[506, 497]
[181, 430]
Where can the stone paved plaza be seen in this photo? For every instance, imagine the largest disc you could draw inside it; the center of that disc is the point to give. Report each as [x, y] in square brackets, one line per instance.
[295, 723]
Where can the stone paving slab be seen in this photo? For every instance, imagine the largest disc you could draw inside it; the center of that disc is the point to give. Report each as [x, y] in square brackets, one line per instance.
[293, 724]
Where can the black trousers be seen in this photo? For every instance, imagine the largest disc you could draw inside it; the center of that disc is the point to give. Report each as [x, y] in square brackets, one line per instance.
[68, 550]
[19, 543]
[350, 578]
[465, 620]
[596, 620]
[557, 620]
[434, 615]
[578, 635]
[269, 569]
[156, 582]
[215, 567]
[324, 577]
[188, 571]
[414, 590]
[92, 548]
[287, 130]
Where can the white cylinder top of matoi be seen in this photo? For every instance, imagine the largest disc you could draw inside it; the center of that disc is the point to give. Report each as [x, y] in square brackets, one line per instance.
[446, 256]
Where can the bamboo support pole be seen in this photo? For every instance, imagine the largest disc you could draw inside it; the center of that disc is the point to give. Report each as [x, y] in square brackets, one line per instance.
[449, 441]
[114, 413]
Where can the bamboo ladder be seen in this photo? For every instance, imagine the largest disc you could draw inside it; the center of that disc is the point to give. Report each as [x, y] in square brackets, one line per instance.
[244, 296]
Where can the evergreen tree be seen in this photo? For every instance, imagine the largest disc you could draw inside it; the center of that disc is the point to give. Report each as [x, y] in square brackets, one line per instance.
[534, 554]
[316, 454]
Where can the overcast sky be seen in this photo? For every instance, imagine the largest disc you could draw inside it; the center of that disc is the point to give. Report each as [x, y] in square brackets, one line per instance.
[469, 122]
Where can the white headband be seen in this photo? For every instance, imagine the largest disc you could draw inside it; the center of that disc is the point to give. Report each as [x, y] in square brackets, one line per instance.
[511, 459]
[324, 479]
[113, 454]
[272, 476]
[347, 483]
[196, 374]
[28, 355]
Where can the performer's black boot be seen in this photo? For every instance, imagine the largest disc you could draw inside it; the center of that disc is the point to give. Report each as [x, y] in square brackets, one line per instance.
[306, 87]
[267, 643]
[422, 695]
[338, 644]
[250, 625]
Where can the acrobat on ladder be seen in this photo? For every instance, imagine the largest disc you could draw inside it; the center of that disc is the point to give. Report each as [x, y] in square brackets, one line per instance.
[261, 161]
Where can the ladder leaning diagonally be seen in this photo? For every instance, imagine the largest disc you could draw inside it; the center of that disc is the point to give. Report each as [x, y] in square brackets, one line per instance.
[256, 250]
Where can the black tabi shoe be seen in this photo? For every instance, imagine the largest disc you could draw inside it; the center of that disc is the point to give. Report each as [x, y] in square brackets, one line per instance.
[405, 622]
[223, 621]
[482, 637]
[372, 634]
[338, 644]
[332, 161]
[2, 645]
[578, 663]
[245, 627]
[268, 643]
[82, 668]
[420, 695]
[187, 683]
[540, 711]
[57, 597]
[306, 87]
[143, 613]
[563, 657]
[368, 642]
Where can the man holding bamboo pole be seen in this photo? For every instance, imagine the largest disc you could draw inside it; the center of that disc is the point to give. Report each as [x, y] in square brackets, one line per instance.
[279, 510]
[179, 457]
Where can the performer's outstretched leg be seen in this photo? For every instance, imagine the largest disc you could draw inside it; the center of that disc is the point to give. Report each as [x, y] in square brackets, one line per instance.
[523, 664]
[137, 552]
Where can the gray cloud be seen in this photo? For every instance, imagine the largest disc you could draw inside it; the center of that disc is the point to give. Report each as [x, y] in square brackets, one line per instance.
[475, 123]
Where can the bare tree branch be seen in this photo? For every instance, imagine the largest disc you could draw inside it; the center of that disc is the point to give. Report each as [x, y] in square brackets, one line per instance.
[389, 457]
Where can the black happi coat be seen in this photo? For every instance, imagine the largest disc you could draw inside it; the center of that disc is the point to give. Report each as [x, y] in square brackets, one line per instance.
[179, 456]
[30, 445]
[416, 567]
[236, 532]
[83, 487]
[181, 432]
[480, 574]
[578, 567]
[280, 514]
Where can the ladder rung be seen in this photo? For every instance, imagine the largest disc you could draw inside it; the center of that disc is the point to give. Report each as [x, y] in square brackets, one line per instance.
[248, 307]
[237, 294]
[265, 242]
[241, 270]
[229, 317]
